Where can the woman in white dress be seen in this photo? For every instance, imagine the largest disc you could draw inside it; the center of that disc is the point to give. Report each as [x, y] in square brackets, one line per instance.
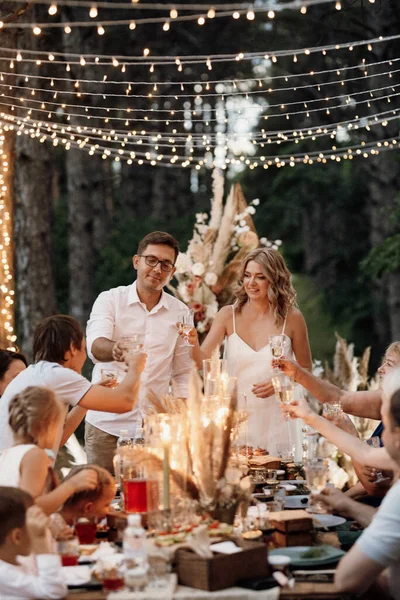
[265, 304]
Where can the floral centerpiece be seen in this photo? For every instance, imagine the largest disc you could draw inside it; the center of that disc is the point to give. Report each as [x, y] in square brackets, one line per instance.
[207, 272]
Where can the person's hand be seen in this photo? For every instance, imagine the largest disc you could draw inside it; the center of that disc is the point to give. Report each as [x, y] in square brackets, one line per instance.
[87, 479]
[136, 361]
[191, 337]
[264, 389]
[299, 409]
[333, 500]
[118, 351]
[288, 366]
[37, 522]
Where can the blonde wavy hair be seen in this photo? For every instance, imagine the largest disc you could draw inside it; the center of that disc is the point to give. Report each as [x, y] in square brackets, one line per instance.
[394, 347]
[31, 412]
[281, 293]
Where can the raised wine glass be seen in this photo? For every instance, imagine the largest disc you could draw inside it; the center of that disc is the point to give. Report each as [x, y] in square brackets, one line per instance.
[186, 319]
[277, 343]
[284, 388]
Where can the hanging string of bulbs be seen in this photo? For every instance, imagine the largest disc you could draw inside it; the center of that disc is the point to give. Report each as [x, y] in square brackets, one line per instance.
[201, 17]
[364, 148]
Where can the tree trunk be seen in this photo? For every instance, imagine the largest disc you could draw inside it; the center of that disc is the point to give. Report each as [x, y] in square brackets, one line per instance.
[33, 243]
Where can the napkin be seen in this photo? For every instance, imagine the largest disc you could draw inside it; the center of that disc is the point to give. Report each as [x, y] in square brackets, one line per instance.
[78, 575]
[104, 550]
[200, 542]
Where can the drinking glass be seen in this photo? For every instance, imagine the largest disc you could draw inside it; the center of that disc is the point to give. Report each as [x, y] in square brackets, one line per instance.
[86, 529]
[133, 343]
[316, 476]
[284, 389]
[108, 377]
[332, 410]
[186, 323]
[286, 451]
[375, 442]
[68, 551]
[277, 343]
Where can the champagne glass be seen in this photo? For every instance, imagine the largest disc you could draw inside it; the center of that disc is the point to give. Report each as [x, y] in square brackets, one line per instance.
[277, 343]
[284, 389]
[316, 476]
[186, 324]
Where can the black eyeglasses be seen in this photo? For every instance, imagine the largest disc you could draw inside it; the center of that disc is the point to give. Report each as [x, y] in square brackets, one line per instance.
[153, 261]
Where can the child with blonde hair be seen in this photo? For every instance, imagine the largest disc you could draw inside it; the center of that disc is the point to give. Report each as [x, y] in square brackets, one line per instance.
[35, 417]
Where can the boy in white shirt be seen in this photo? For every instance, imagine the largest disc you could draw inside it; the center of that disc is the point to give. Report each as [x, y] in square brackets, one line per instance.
[24, 530]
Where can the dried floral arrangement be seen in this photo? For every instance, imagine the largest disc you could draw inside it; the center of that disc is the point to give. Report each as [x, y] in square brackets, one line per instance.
[207, 272]
[213, 479]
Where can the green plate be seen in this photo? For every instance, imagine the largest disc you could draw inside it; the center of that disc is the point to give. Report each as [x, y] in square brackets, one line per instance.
[330, 555]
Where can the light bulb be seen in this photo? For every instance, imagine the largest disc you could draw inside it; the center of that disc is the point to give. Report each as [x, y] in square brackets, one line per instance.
[1, 24]
[173, 13]
[53, 9]
[37, 30]
[338, 6]
[303, 10]
[201, 20]
[146, 52]
[236, 15]
[132, 25]
[101, 30]
[93, 12]
[250, 15]
[82, 61]
[211, 13]
[166, 26]
[67, 29]
[270, 14]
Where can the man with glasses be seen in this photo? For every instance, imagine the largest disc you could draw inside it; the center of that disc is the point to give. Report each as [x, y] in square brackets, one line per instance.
[140, 308]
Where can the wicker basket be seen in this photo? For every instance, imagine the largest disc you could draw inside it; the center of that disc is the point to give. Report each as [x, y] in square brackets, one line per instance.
[222, 570]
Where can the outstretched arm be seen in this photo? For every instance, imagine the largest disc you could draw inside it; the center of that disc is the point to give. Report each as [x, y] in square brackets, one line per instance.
[357, 449]
[214, 338]
[361, 404]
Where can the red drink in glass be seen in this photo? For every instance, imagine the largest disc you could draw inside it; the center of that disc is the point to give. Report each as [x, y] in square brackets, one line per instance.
[111, 584]
[69, 560]
[135, 495]
[86, 532]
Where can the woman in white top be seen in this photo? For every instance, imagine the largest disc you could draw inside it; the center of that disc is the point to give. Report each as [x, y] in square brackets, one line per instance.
[265, 304]
[35, 417]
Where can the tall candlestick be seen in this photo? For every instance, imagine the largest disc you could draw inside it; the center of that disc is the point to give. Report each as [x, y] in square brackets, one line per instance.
[166, 467]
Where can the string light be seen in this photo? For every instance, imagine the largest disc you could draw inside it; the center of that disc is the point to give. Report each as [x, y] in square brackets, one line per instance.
[36, 30]
[211, 13]
[53, 9]
[67, 29]
[93, 12]
[132, 25]
[7, 292]
[166, 26]
[250, 15]
[201, 20]
[236, 15]
[173, 13]
[101, 30]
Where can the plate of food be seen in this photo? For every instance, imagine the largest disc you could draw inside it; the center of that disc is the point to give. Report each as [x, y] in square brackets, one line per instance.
[310, 556]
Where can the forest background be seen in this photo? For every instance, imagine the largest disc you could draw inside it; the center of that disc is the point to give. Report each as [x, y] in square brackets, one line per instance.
[78, 218]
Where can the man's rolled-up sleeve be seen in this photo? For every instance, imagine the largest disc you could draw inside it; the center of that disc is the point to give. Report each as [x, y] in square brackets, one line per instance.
[101, 321]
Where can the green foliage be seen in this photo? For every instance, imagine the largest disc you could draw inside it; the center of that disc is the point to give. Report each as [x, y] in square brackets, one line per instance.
[384, 258]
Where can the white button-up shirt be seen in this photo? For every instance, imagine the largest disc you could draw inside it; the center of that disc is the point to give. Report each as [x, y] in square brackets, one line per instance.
[120, 312]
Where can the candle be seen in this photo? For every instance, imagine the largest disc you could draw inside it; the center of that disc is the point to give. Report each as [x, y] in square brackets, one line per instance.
[166, 439]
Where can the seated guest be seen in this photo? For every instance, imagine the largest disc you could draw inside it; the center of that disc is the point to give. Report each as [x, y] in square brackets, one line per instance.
[90, 503]
[59, 355]
[35, 419]
[378, 548]
[11, 365]
[23, 530]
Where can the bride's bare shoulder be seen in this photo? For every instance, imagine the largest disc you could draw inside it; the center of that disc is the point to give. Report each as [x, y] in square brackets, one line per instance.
[225, 313]
[295, 316]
